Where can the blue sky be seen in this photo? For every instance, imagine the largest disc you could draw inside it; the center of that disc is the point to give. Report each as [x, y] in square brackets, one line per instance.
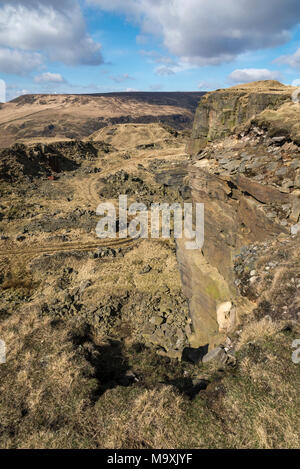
[72, 46]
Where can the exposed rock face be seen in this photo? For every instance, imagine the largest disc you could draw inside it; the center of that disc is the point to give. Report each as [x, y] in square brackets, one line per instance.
[40, 160]
[220, 112]
[281, 123]
[249, 189]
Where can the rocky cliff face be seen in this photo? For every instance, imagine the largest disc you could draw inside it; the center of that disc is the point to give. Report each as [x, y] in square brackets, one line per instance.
[250, 185]
[219, 113]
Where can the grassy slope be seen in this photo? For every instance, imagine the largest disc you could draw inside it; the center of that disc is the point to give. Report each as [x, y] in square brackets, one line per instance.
[50, 399]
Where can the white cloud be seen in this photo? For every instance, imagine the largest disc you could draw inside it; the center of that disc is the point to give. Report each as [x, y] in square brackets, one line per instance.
[246, 75]
[291, 60]
[2, 91]
[168, 66]
[172, 69]
[209, 33]
[49, 77]
[55, 28]
[18, 62]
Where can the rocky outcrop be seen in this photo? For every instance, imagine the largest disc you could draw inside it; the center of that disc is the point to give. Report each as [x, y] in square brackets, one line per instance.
[41, 160]
[249, 185]
[282, 124]
[219, 113]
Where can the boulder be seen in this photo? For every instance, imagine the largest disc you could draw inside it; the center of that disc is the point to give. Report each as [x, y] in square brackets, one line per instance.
[217, 354]
[223, 314]
[295, 215]
[295, 229]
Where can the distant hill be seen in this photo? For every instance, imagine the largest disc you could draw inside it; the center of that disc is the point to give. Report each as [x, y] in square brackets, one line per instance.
[31, 118]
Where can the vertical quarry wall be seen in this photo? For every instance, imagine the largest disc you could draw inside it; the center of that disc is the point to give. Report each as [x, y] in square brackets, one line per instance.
[220, 112]
[236, 180]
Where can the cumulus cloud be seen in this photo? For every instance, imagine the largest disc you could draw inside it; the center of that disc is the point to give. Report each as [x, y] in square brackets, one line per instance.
[253, 74]
[49, 77]
[173, 68]
[168, 66]
[291, 60]
[209, 33]
[55, 28]
[18, 62]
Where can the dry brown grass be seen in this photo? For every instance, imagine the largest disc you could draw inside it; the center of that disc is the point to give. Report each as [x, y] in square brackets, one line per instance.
[257, 405]
[148, 420]
[258, 330]
[47, 390]
[40, 380]
[284, 121]
[129, 136]
[49, 396]
[71, 116]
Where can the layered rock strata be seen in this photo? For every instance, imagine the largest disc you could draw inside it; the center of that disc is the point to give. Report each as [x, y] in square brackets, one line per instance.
[248, 180]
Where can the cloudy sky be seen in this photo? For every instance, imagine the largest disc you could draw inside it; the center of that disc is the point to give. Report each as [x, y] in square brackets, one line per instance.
[84, 46]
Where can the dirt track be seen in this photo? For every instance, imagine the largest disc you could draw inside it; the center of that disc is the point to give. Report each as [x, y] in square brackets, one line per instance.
[113, 243]
[86, 190]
